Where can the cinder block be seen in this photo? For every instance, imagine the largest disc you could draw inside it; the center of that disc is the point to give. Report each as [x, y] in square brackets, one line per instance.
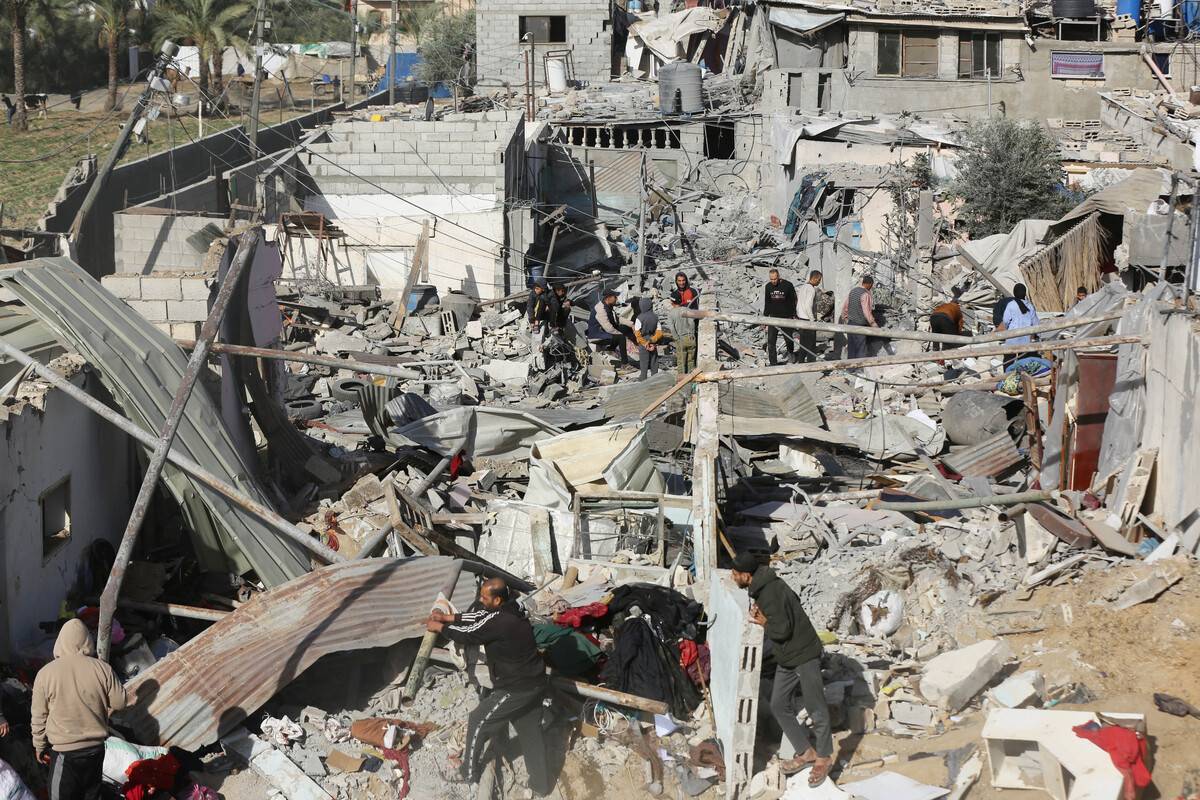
[186, 310]
[186, 330]
[194, 289]
[160, 288]
[123, 286]
[165, 327]
[153, 310]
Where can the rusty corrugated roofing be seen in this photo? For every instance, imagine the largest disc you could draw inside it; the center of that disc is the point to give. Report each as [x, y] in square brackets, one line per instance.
[986, 459]
[216, 680]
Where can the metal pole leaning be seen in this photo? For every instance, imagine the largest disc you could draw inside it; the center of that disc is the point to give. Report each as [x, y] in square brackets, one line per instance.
[184, 463]
[158, 459]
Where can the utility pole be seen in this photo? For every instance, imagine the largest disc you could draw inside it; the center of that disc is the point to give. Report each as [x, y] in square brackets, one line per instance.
[260, 18]
[391, 70]
[641, 251]
[167, 52]
[353, 47]
[528, 42]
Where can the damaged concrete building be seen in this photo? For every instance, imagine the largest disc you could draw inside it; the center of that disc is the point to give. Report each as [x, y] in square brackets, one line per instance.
[320, 397]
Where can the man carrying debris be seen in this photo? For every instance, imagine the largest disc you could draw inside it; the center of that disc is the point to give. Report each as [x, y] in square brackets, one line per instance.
[779, 301]
[604, 331]
[648, 332]
[73, 697]
[806, 308]
[797, 650]
[519, 684]
[859, 310]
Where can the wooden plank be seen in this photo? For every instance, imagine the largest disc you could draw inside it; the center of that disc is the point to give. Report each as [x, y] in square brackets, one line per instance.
[414, 269]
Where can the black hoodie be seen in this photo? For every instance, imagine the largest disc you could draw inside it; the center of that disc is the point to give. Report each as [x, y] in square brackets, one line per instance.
[788, 627]
[507, 639]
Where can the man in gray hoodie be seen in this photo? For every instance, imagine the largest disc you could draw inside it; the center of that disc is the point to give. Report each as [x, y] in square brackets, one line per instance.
[73, 697]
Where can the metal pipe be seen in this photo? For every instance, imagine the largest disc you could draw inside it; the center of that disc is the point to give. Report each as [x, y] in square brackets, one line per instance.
[580, 688]
[1013, 499]
[919, 358]
[183, 462]
[430, 638]
[174, 609]
[313, 358]
[433, 475]
[891, 333]
[260, 14]
[158, 459]
[373, 541]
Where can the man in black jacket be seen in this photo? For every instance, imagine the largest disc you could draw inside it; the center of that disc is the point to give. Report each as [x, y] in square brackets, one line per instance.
[518, 673]
[779, 301]
[797, 650]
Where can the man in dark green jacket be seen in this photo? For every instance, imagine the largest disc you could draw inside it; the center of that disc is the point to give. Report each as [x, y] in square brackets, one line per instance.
[797, 650]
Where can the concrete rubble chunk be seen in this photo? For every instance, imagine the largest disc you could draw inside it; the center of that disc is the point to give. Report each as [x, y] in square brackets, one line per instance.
[952, 679]
[1147, 588]
[1023, 689]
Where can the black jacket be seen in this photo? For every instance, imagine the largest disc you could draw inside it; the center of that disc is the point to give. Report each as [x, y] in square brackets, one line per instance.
[779, 299]
[788, 627]
[543, 308]
[507, 639]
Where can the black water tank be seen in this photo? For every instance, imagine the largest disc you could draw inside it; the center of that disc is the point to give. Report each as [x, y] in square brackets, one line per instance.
[1074, 9]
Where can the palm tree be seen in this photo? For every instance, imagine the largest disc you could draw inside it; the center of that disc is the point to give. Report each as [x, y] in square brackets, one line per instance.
[17, 18]
[208, 24]
[113, 16]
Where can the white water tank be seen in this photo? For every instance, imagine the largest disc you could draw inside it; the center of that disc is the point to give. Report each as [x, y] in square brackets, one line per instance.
[679, 88]
[556, 75]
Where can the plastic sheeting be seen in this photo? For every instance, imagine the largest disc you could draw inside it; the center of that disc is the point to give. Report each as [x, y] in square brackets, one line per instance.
[801, 20]
[891, 436]
[615, 456]
[479, 432]
[665, 36]
[1000, 256]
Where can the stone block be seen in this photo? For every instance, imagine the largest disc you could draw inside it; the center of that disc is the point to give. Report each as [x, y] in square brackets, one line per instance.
[161, 288]
[915, 715]
[195, 289]
[165, 327]
[153, 310]
[1023, 689]
[187, 310]
[952, 679]
[123, 286]
[189, 331]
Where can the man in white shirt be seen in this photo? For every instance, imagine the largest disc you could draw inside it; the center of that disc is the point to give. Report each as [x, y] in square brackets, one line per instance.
[806, 297]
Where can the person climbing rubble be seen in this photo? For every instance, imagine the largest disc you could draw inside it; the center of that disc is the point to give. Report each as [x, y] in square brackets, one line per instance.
[604, 331]
[779, 301]
[806, 309]
[797, 651]
[947, 318]
[563, 305]
[649, 333]
[73, 697]
[519, 685]
[859, 310]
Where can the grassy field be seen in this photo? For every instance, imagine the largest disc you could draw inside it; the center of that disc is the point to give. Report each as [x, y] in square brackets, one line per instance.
[51, 146]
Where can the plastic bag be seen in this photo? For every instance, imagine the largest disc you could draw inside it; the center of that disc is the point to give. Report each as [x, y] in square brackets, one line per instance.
[882, 613]
[120, 755]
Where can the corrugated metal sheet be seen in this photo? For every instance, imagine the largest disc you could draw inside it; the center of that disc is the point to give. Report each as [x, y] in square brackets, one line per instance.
[987, 459]
[141, 367]
[786, 396]
[216, 680]
[29, 335]
[623, 175]
[626, 401]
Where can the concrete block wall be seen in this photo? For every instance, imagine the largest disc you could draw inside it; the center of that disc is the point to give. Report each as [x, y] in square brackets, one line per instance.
[498, 36]
[177, 303]
[149, 242]
[465, 153]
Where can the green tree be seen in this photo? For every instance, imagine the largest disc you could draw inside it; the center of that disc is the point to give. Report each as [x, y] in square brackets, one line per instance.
[113, 16]
[441, 41]
[1007, 171]
[209, 25]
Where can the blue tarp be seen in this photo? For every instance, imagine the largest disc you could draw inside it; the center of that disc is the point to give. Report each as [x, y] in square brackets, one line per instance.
[404, 66]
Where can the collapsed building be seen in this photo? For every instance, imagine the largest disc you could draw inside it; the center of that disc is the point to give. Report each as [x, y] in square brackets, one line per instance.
[316, 362]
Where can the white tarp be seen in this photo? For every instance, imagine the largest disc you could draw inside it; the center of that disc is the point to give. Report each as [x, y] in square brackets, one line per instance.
[801, 20]
[478, 431]
[613, 456]
[666, 36]
[1000, 256]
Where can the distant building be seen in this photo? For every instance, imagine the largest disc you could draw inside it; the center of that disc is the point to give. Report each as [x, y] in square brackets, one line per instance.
[582, 28]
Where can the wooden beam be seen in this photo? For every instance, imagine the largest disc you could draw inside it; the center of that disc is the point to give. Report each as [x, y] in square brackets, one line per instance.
[667, 395]
[414, 269]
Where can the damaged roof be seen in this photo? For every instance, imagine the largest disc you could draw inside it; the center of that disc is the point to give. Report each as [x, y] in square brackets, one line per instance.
[141, 367]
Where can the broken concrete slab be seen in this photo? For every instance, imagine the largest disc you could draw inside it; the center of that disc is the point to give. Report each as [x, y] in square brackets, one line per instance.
[510, 373]
[1147, 588]
[915, 715]
[273, 765]
[952, 679]
[1023, 689]
[344, 762]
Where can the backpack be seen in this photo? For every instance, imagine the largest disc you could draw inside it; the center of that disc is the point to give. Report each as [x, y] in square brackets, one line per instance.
[823, 306]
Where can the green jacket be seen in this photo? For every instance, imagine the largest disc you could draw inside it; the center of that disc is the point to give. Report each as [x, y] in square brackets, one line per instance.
[788, 627]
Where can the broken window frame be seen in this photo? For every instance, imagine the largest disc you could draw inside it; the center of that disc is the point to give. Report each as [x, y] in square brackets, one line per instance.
[906, 44]
[978, 52]
[54, 540]
[524, 27]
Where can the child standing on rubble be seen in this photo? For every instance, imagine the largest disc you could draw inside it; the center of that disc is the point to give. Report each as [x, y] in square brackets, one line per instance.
[797, 651]
[648, 332]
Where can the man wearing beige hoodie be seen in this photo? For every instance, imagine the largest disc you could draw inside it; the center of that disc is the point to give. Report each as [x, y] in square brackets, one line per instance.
[73, 697]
